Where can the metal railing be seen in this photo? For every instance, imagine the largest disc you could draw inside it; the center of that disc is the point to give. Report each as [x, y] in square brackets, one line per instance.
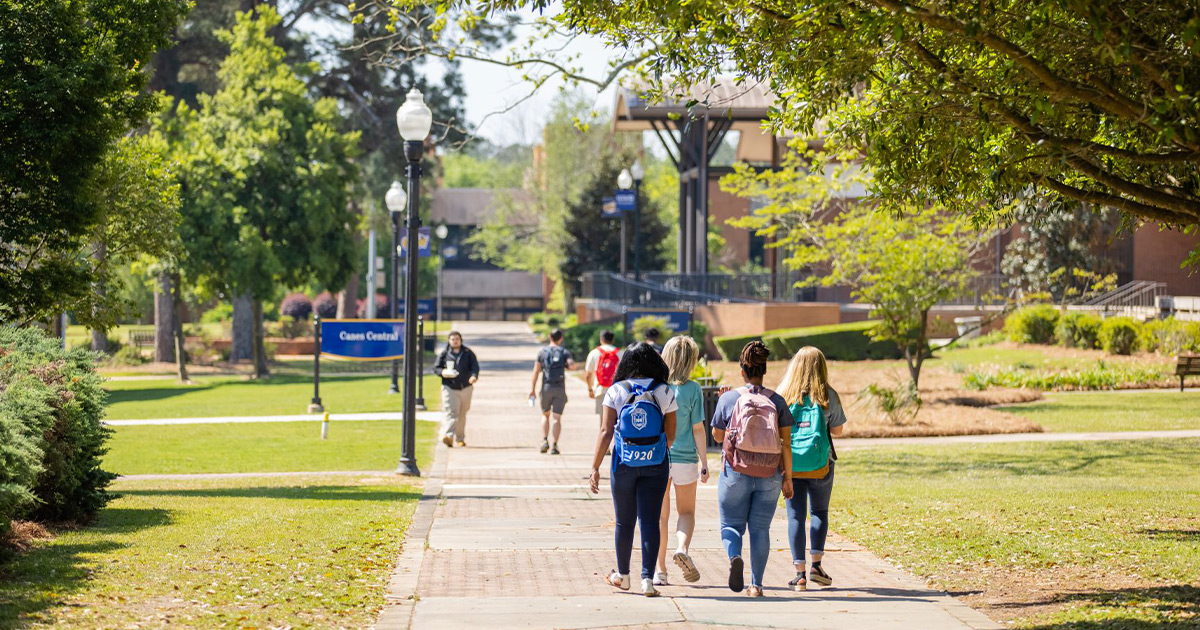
[615, 288]
[1136, 294]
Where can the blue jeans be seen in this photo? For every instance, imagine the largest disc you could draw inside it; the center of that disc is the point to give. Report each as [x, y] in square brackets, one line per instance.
[748, 501]
[813, 494]
[637, 494]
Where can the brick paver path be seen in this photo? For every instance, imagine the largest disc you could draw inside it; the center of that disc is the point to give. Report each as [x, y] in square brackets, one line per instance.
[510, 538]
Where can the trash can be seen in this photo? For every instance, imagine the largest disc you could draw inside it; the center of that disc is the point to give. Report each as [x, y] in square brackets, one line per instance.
[711, 393]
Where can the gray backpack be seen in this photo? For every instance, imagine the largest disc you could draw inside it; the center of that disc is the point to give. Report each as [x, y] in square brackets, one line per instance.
[554, 365]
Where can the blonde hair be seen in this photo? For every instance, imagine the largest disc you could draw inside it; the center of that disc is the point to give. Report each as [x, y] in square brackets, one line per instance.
[807, 373]
[681, 355]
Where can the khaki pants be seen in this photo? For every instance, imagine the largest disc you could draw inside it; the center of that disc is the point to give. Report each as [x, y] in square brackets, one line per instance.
[456, 402]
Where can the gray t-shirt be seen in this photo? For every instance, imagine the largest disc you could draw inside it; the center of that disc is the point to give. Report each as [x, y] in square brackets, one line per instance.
[554, 360]
[728, 402]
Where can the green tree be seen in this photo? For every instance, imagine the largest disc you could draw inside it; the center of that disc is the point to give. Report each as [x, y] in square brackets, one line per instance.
[1063, 248]
[266, 177]
[530, 234]
[902, 260]
[71, 80]
[966, 104]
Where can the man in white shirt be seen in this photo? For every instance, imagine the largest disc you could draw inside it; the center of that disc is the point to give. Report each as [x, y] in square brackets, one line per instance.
[600, 367]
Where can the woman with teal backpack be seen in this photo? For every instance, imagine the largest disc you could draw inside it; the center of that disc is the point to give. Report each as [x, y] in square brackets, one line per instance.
[819, 416]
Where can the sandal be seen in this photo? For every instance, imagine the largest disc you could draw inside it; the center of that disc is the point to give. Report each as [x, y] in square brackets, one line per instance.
[799, 583]
[617, 580]
[818, 575]
[684, 562]
[754, 591]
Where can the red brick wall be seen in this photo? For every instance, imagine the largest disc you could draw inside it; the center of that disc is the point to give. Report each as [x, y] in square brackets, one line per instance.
[1157, 255]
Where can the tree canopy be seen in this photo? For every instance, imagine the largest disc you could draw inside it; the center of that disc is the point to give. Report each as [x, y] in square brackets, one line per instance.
[71, 79]
[965, 104]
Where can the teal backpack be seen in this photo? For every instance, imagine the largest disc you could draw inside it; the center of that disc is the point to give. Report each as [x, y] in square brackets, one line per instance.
[810, 437]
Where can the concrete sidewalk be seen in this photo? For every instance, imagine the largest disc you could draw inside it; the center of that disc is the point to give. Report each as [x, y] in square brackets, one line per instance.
[509, 538]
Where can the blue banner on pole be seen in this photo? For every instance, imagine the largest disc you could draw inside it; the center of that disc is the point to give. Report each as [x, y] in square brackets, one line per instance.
[626, 200]
[609, 209]
[425, 307]
[424, 238]
[363, 339]
[677, 321]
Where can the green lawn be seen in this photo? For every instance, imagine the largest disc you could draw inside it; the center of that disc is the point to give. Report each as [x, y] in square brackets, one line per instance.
[1107, 532]
[242, 553]
[263, 447]
[1114, 411]
[238, 396]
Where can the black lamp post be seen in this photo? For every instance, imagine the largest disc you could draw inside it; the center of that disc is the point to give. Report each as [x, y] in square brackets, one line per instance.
[397, 201]
[414, 120]
[638, 173]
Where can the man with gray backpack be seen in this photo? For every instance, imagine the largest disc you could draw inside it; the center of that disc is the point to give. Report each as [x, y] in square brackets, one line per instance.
[552, 364]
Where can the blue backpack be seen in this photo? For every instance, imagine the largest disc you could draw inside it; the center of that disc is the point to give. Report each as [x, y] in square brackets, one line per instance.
[641, 438]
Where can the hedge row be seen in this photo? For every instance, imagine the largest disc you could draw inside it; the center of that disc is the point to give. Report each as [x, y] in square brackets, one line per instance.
[1044, 324]
[839, 342]
[51, 437]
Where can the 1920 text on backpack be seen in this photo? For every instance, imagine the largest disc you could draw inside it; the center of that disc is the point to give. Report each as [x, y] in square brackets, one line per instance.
[751, 444]
[606, 367]
[641, 438]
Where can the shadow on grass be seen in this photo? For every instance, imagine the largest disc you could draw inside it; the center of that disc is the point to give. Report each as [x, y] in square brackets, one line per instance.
[309, 493]
[45, 576]
[1173, 607]
[1178, 535]
[151, 393]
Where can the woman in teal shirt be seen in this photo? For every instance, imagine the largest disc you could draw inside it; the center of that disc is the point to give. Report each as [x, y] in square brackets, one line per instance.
[687, 465]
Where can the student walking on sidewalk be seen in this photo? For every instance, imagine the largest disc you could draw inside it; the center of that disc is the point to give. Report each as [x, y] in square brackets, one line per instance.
[459, 370]
[819, 416]
[689, 458]
[552, 364]
[639, 422]
[753, 425]
[600, 368]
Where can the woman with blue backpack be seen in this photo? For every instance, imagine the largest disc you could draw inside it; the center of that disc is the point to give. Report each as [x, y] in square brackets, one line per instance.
[639, 422]
[819, 416]
[752, 423]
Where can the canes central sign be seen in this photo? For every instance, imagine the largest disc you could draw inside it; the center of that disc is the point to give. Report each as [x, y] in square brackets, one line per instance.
[362, 339]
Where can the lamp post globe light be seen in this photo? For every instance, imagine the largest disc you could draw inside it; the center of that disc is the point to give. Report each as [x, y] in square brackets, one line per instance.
[397, 201]
[414, 120]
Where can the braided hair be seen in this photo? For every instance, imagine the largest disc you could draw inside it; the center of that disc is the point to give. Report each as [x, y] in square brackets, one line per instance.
[754, 359]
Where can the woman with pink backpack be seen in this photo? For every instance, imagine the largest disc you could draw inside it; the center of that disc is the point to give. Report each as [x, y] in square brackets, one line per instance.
[753, 425]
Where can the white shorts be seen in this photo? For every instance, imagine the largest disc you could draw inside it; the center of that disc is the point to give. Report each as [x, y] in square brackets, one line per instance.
[684, 474]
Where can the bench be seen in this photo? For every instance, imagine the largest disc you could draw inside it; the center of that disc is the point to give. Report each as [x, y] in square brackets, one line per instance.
[141, 338]
[1187, 365]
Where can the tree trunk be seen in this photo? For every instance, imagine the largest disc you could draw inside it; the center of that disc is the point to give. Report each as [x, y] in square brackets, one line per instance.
[242, 344]
[180, 354]
[164, 316]
[348, 300]
[260, 352]
[100, 337]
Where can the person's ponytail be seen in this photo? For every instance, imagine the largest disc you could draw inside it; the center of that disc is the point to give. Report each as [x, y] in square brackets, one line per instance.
[753, 360]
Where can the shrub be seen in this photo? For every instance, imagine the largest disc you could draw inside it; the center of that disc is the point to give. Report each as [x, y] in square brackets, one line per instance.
[222, 312]
[642, 324]
[1119, 335]
[381, 307]
[840, 342]
[1032, 324]
[127, 355]
[898, 404]
[1078, 330]
[297, 306]
[51, 405]
[1099, 376]
[1169, 337]
[325, 305]
[730, 348]
[774, 342]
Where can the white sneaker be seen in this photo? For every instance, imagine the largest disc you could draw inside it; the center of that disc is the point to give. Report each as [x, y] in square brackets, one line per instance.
[648, 588]
[618, 580]
[660, 578]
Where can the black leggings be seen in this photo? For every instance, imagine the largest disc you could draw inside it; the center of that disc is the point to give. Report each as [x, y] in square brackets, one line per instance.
[637, 494]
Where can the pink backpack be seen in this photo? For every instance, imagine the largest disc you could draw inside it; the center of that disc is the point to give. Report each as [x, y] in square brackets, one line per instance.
[752, 438]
